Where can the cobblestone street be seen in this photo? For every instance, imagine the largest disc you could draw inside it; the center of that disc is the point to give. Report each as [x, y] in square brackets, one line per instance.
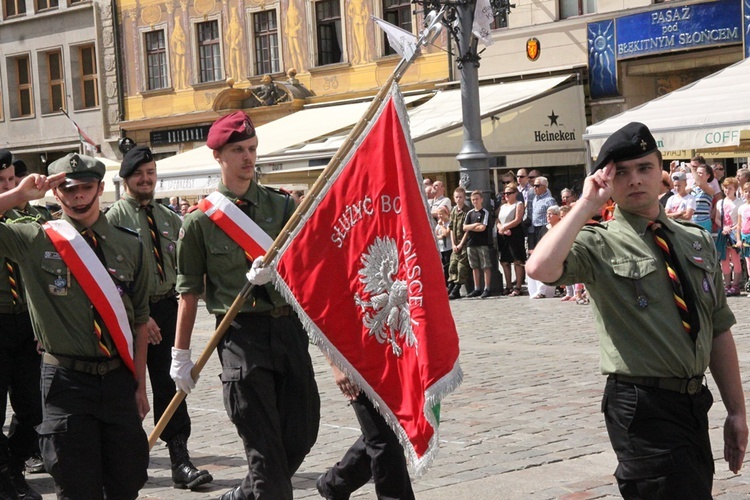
[524, 424]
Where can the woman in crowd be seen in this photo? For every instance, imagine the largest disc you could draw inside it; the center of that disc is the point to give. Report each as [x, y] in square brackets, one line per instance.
[726, 219]
[510, 238]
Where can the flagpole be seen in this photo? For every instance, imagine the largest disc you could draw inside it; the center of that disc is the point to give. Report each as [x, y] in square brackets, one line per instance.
[292, 223]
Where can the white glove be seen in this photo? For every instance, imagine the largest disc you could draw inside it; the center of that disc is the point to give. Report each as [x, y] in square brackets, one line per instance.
[259, 275]
[180, 370]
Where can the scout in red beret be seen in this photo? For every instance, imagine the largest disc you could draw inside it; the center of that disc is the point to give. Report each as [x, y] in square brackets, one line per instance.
[234, 127]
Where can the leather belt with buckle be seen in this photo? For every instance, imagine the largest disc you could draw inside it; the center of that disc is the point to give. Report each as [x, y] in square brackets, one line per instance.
[91, 367]
[691, 386]
[158, 298]
[276, 312]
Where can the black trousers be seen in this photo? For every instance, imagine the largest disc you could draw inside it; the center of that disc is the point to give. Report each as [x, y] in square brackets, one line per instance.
[376, 455]
[19, 378]
[271, 397]
[159, 360]
[92, 439]
[661, 441]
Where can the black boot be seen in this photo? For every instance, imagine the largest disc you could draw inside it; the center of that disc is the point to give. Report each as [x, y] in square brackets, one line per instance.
[23, 490]
[7, 490]
[184, 474]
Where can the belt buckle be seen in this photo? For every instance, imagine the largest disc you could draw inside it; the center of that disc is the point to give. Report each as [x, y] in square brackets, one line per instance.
[276, 312]
[694, 386]
[102, 368]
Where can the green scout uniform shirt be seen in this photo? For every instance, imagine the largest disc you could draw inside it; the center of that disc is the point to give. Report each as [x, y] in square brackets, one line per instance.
[456, 222]
[639, 327]
[6, 298]
[36, 211]
[63, 316]
[128, 212]
[205, 249]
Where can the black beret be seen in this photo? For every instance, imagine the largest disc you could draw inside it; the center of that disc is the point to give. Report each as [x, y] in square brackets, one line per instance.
[21, 169]
[234, 127]
[6, 159]
[632, 141]
[79, 169]
[133, 159]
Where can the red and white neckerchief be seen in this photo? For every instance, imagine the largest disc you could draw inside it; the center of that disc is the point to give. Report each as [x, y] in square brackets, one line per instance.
[238, 226]
[96, 283]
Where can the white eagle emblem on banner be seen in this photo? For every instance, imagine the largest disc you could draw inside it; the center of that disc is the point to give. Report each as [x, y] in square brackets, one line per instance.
[386, 314]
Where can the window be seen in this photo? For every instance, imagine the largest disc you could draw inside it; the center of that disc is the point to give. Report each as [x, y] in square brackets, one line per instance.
[209, 51]
[156, 60]
[570, 8]
[501, 21]
[24, 105]
[396, 12]
[14, 7]
[46, 4]
[89, 77]
[51, 77]
[328, 24]
[265, 32]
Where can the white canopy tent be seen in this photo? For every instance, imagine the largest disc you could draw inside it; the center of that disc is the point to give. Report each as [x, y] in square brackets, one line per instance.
[512, 114]
[708, 114]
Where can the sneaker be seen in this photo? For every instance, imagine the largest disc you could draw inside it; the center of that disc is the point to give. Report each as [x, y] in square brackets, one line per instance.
[476, 293]
[486, 293]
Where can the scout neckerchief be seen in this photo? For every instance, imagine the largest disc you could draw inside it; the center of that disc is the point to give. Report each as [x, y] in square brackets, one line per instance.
[96, 284]
[238, 226]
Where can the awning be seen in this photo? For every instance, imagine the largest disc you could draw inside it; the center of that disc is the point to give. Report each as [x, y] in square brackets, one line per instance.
[708, 114]
[530, 122]
[197, 172]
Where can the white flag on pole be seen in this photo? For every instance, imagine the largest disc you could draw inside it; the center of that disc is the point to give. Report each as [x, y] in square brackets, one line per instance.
[483, 17]
[400, 40]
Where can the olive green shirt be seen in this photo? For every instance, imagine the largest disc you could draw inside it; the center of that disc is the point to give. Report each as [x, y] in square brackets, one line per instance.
[61, 313]
[204, 249]
[456, 222]
[6, 297]
[128, 212]
[639, 326]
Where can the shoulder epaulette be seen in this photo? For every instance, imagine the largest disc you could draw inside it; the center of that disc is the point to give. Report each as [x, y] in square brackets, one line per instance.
[25, 219]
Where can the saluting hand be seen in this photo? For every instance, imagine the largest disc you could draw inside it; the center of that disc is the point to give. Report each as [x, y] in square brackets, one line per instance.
[598, 187]
[35, 186]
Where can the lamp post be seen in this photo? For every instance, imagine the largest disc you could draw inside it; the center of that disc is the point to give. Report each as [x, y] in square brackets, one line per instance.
[459, 18]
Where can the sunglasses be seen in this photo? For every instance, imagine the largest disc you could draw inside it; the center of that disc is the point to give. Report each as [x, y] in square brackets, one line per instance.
[509, 192]
[538, 185]
[719, 169]
[521, 176]
[506, 182]
[532, 177]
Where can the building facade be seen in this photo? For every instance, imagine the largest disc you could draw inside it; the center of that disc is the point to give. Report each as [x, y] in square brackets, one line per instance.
[627, 52]
[185, 63]
[57, 55]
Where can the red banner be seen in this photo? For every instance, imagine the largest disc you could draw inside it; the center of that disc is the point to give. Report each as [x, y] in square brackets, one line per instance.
[365, 276]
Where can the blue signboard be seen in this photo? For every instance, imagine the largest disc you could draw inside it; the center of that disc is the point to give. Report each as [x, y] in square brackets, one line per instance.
[746, 17]
[602, 61]
[679, 27]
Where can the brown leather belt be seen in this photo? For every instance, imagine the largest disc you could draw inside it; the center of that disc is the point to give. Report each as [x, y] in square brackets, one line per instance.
[158, 298]
[691, 386]
[11, 309]
[91, 367]
[277, 312]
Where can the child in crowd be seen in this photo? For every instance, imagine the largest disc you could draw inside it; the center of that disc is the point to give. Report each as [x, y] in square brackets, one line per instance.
[477, 226]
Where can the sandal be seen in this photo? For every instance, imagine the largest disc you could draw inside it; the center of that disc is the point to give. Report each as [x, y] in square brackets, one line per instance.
[582, 302]
[539, 296]
[567, 298]
[515, 293]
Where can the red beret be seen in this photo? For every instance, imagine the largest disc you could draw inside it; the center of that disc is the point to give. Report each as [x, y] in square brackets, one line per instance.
[233, 127]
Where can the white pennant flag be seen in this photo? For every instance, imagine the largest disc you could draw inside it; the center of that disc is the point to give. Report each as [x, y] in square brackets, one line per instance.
[483, 18]
[400, 40]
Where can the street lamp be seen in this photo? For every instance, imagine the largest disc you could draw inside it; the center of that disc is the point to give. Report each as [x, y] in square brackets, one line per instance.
[458, 19]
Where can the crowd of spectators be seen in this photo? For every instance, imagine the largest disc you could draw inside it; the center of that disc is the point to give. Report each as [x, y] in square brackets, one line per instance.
[525, 209]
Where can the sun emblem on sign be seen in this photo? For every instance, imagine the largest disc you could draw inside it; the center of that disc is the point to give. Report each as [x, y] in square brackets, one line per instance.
[386, 313]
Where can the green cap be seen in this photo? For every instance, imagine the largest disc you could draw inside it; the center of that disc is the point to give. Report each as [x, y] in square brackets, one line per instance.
[79, 169]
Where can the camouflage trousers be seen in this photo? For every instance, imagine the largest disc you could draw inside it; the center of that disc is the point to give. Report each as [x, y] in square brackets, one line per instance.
[458, 269]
